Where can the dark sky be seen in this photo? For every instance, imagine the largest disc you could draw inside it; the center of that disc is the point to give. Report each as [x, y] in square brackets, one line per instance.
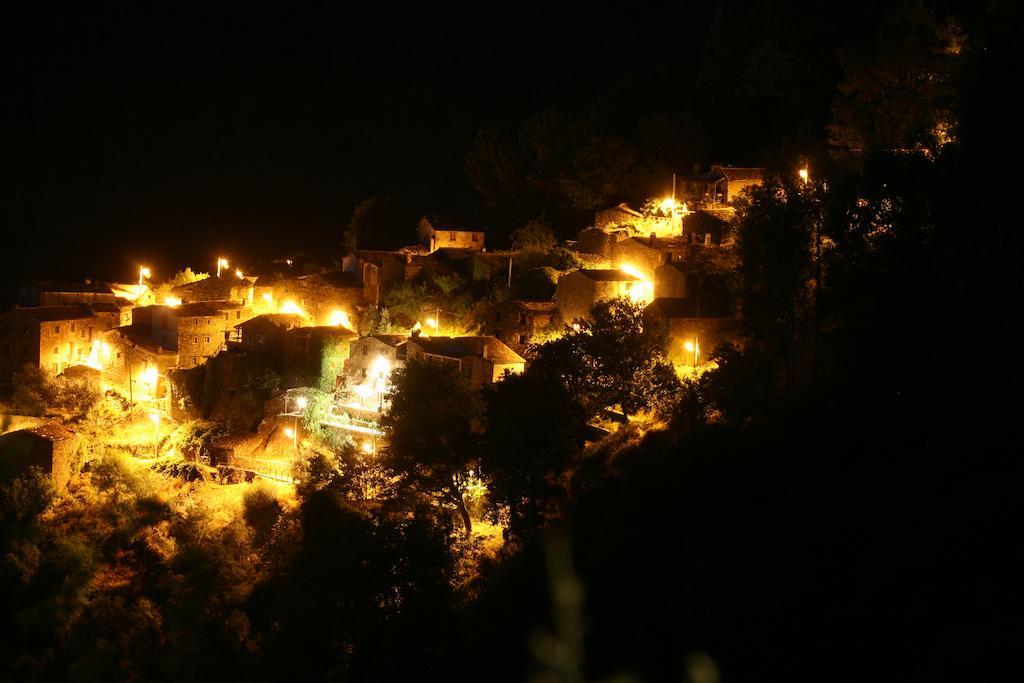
[168, 136]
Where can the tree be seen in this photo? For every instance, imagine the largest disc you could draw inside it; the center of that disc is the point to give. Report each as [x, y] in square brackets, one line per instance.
[611, 360]
[379, 223]
[432, 444]
[534, 236]
[897, 94]
[533, 434]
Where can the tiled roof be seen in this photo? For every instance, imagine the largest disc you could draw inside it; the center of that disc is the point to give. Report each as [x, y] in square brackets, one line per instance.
[460, 347]
[139, 336]
[609, 275]
[201, 308]
[451, 223]
[58, 313]
[282, 320]
[77, 287]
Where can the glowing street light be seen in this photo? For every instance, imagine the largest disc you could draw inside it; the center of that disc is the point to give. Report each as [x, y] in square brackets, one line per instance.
[238, 273]
[144, 274]
[694, 348]
[221, 264]
[293, 435]
[368, 448]
[804, 174]
[301, 402]
[155, 417]
[432, 322]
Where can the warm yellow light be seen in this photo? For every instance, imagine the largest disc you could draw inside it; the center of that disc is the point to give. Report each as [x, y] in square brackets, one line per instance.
[432, 322]
[172, 301]
[267, 297]
[804, 175]
[221, 264]
[630, 269]
[289, 432]
[340, 318]
[238, 274]
[668, 205]
[367, 448]
[301, 402]
[290, 307]
[381, 366]
[149, 376]
[689, 346]
[155, 417]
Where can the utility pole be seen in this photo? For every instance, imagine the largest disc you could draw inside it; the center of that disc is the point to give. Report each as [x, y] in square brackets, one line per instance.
[510, 271]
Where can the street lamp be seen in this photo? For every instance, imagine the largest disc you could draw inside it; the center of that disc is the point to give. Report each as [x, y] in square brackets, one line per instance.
[221, 264]
[694, 348]
[804, 174]
[293, 435]
[155, 417]
[144, 274]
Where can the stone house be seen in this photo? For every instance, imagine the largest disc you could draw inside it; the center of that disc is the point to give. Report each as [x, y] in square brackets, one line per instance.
[196, 331]
[624, 217]
[378, 271]
[45, 293]
[50, 337]
[116, 314]
[266, 332]
[481, 359]
[517, 322]
[600, 241]
[697, 272]
[136, 363]
[51, 447]
[644, 254]
[318, 296]
[719, 187]
[694, 326]
[304, 359]
[364, 353]
[226, 287]
[136, 294]
[580, 290]
[438, 232]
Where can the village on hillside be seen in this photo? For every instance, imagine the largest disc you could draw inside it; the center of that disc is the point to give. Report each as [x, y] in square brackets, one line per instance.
[332, 335]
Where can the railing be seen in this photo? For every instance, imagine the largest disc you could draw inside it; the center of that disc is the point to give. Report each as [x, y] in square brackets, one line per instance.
[271, 469]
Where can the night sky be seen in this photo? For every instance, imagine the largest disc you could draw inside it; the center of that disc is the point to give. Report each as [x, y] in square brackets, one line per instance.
[169, 136]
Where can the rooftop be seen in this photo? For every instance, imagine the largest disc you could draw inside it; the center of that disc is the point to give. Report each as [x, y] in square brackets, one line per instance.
[201, 308]
[87, 287]
[58, 313]
[607, 275]
[460, 347]
[451, 223]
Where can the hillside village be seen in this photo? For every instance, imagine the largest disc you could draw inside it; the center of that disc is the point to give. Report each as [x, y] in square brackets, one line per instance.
[342, 330]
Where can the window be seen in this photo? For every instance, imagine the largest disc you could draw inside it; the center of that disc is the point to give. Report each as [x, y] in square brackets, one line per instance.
[56, 350]
[72, 327]
[56, 329]
[238, 315]
[227, 316]
[366, 351]
[474, 237]
[207, 339]
[195, 340]
[522, 339]
[451, 237]
[194, 360]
